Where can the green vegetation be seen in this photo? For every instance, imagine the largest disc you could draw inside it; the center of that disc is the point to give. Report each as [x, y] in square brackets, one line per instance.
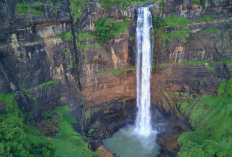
[46, 83]
[70, 59]
[24, 7]
[209, 68]
[180, 34]
[124, 100]
[205, 18]
[105, 28]
[158, 23]
[96, 57]
[123, 4]
[76, 7]
[226, 62]
[209, 30]
[160, 3]
[172, 21]
[221, 88]
[15, 142]
[175, 21]
[131, 38]
[202, 2]
[210, 116]
[12, 109]
[18, 139]
[66, 37]
[115, 71]
[68, 142]
[184, 105]
[85, 36]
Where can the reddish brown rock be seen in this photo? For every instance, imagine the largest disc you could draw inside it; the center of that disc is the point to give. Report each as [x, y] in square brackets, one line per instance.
[104, 152]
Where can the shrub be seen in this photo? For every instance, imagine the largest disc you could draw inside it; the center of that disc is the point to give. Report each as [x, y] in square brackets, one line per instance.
[208, 148]
[158, 22]
[202, 2]
[196, 1]
[105, 28]
[13, 141]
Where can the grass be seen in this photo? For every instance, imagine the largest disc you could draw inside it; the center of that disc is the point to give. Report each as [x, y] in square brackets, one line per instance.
[96, 44]
[180, 34]
[114, 71]
[205, 18]
[175, 21]
[47, 83]
[211, 119]
[226, 62]
[209, 30]
[209, 68]
[67, 142]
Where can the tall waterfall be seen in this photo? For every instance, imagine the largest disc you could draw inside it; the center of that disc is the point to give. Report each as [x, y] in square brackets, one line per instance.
[143, 70]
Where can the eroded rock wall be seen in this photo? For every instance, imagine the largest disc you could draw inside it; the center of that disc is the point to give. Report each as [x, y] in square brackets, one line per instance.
[198, 65]
[41, 68]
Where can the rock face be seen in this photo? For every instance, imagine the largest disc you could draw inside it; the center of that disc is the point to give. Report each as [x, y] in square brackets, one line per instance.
[104, 152]
[45, 71]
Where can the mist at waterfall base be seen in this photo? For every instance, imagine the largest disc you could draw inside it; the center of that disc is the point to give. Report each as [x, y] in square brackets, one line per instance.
[139, 140]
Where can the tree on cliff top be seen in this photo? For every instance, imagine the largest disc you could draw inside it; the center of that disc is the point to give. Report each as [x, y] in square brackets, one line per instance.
[13, 141]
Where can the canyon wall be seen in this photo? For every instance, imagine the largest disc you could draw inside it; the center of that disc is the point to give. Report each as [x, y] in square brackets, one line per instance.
[51, 59]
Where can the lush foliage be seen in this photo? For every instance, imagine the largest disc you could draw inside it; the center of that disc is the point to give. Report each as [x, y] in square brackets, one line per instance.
[172, 21]
[12, 109]
[105, 28]
[158, 22]
[175, 21]
[209, 148]
[211, 118]
[15, 142]
[68, 142]
[24, 7]
[18, 139]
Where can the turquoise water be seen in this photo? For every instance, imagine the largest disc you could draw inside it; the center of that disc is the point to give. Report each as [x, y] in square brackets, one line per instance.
[127, 143]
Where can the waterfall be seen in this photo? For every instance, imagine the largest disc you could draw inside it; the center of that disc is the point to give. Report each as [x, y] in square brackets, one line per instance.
[143, 70]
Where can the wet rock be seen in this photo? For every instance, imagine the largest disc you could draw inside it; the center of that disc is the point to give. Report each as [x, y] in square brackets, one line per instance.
[104, 152]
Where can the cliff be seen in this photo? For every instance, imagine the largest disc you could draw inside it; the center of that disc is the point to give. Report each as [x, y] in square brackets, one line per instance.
[50, 57]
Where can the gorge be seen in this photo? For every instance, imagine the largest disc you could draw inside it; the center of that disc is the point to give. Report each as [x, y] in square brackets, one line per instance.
[68, 76]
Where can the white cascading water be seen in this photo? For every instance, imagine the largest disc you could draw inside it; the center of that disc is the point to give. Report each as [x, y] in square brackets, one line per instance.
[139, 140]
[143, 70]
